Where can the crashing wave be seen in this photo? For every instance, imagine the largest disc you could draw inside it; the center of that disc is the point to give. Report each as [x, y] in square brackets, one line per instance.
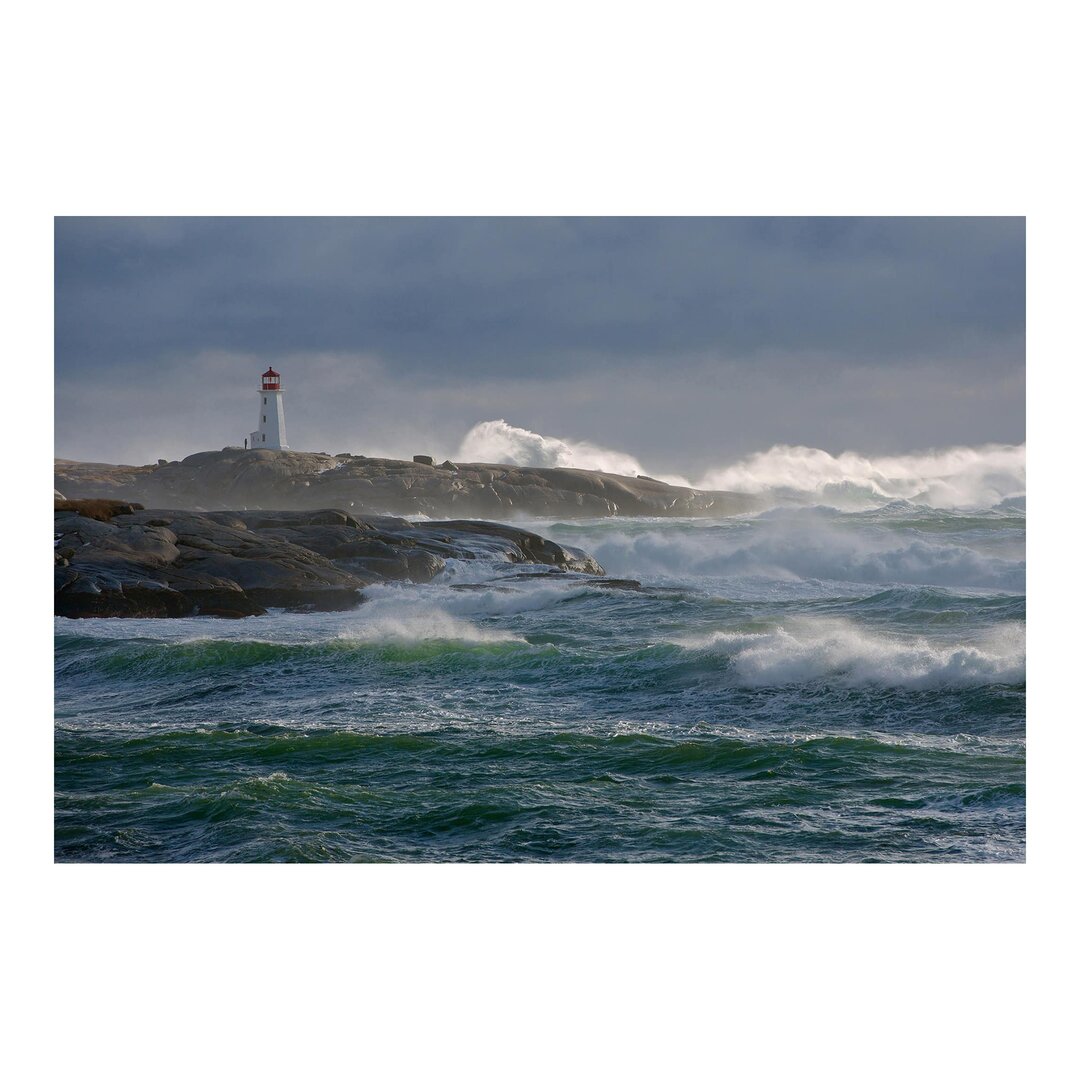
[959, 477]
[805, 649]
[497, 442]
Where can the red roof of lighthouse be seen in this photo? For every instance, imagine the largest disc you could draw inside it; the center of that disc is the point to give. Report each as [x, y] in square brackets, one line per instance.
[270, 371]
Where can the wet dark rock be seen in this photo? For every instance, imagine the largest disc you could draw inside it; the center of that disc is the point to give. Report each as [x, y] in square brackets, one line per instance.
[231, 563]
[560, 574]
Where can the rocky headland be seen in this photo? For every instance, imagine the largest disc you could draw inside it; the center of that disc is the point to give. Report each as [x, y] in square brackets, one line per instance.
[114, 558]
[247, 530]
[233, 479]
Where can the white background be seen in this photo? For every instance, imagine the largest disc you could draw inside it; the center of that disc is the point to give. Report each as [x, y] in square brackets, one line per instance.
[584, 108]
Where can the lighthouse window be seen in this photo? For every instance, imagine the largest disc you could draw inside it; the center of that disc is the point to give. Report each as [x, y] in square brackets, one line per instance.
[264, 438]
[264, 419]
[264, 401]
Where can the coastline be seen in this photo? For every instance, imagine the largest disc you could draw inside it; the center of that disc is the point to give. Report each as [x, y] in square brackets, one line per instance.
[118, 559]
[237, 479]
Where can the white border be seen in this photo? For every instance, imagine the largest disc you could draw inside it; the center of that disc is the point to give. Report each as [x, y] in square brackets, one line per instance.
[528, 971]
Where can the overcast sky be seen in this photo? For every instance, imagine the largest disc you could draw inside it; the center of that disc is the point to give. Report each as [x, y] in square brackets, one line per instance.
[687, 342]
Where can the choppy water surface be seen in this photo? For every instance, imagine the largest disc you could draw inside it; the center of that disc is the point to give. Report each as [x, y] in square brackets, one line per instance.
[801, 685]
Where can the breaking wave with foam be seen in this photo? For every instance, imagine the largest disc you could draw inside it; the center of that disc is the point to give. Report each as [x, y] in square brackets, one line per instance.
[804, 650]
[499, 443]
[805, 546]
[399, 616]
[959, 477]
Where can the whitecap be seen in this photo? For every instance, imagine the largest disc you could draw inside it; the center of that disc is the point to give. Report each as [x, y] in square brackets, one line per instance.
[805, 649]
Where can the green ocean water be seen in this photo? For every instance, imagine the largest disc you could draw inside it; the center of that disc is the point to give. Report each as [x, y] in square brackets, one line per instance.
[805, 685]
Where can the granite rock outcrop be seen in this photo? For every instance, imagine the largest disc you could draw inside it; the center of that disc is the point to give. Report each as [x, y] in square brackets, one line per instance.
[115, 558]
[293, 480]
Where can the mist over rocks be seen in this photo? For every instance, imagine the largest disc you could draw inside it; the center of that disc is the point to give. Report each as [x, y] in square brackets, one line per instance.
[294, 480]
[124, 561]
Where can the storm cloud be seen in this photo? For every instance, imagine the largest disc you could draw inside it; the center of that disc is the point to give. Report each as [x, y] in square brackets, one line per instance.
[684, 341]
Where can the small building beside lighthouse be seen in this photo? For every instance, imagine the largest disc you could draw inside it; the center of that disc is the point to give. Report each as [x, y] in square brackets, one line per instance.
[270, 434]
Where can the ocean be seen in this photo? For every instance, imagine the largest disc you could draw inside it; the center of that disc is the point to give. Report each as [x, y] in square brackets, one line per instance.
[806, 684]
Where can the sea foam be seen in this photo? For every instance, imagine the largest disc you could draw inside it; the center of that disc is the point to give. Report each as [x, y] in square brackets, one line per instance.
[802, 547]
[959, 477]
[401, 619]
[805, 649]
[498, 442]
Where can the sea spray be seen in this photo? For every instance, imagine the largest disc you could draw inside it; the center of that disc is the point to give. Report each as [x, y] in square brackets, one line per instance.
[959, 477]
[498, 442]
[811, 551]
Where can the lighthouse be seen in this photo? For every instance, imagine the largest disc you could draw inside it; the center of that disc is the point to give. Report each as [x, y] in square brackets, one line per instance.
[270, 434]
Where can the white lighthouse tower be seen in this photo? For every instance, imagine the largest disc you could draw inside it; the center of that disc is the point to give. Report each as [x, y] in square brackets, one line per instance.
[270, 434]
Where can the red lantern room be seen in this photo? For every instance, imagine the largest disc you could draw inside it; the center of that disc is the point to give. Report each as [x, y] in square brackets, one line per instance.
[270, 434]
